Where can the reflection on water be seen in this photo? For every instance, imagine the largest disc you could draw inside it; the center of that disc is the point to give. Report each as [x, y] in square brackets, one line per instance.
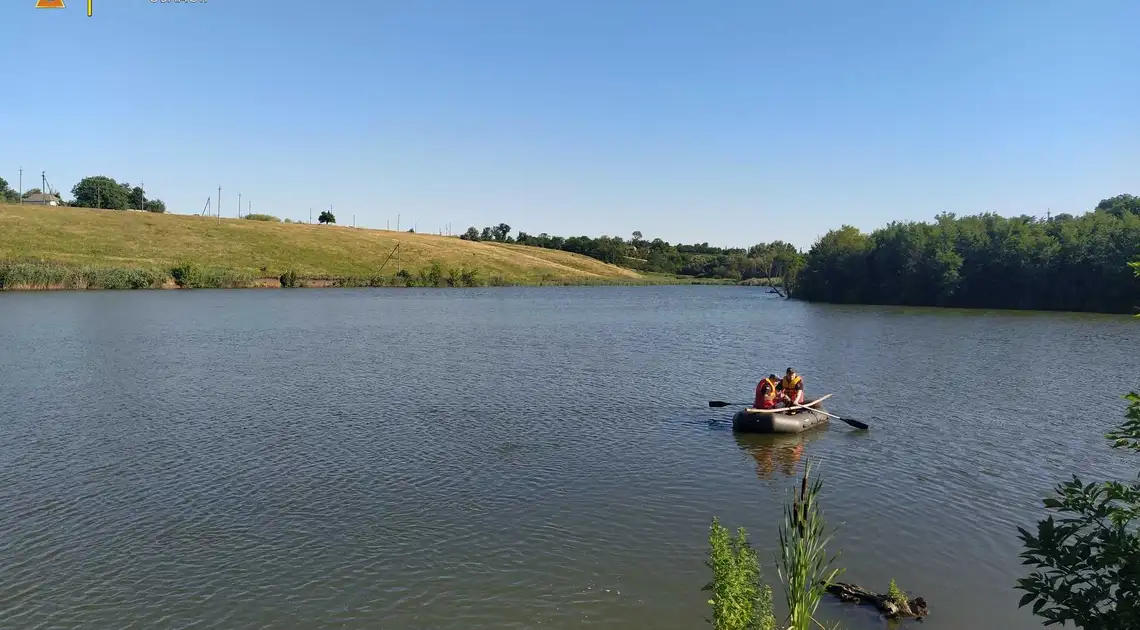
[515, 458]
[776, 452]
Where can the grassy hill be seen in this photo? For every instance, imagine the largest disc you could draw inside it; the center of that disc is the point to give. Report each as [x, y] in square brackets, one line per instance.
[61, 247]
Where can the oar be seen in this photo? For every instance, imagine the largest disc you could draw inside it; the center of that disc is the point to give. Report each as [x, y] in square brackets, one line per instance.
[855, 423]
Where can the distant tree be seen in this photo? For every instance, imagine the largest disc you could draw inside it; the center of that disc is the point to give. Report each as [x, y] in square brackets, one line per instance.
[6, 193]
[637, 235]
[501, 232]
[485, 235]
[326, 217]
[985, 261]
[472, 234]
[1120, 205]
[137, 198]
[100, 192]
[155, 205]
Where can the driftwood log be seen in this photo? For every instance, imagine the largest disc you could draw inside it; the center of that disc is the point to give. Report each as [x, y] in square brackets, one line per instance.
[855, 594]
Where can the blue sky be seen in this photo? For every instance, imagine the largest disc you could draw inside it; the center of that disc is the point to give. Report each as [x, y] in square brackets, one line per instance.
[731, 122]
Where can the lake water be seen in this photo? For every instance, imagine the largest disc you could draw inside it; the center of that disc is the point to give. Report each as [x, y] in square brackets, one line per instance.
[517, 458]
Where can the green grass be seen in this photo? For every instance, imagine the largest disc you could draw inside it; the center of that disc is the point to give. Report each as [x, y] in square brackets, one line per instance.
[86, 248]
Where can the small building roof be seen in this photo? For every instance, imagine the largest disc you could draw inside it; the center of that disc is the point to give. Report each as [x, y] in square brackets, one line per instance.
[41, 197]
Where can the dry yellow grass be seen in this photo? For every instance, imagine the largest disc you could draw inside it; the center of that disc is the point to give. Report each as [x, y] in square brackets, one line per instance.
[127, 239]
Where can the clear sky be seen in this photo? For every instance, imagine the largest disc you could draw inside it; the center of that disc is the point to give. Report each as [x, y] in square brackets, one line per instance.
[731, 122]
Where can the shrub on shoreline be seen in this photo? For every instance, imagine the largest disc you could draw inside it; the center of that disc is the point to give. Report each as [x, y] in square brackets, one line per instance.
[37, 274]
[34, 274]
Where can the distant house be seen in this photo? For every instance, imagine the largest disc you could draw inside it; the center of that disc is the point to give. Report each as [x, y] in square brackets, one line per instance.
[42, 199]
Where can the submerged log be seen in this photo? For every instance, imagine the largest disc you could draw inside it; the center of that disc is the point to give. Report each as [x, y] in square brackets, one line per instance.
[855, 594]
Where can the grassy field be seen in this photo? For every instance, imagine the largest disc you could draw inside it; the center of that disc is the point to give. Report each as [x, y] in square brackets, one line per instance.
[80, 245]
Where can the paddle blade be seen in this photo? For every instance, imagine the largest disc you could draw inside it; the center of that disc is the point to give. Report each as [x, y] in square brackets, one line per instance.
[855, 423]
[718, 403]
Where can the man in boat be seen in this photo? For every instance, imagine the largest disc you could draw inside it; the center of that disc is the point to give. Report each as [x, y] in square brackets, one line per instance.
[766, 393]
[791, 388]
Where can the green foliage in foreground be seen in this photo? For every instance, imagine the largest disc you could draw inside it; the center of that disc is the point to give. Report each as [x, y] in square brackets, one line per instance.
[740, 601]
[803, 555]
[1088, 561]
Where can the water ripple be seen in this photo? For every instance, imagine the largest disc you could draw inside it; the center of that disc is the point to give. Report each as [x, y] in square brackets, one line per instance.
[510, 458]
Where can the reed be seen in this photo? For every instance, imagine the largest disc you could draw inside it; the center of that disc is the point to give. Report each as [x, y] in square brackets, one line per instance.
[41, 274]
[804, 565]
[741, 601]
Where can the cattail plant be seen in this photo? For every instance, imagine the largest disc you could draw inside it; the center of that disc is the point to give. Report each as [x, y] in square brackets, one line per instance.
[803, 562]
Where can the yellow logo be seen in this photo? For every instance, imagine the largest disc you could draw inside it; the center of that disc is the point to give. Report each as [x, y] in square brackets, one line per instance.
[49, 4]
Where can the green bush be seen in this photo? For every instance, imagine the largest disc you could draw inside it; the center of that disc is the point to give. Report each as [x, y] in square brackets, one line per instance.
[740, 601]
[31, 274]
[121, 279]
[182, 273]
[262, 217]
[190, 276]
[40, 274]
[290, 279]
[469, 277]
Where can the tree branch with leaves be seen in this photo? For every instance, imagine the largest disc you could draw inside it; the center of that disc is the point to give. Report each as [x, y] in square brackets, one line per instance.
[1087, 560]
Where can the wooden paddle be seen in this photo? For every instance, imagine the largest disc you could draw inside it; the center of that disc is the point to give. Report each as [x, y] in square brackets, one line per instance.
[855, 423]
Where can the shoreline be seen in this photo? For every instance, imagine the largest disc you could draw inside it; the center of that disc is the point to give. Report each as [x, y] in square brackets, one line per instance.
[131, 279]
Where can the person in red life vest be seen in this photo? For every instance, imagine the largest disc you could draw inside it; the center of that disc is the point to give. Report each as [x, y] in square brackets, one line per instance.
[766, 394]
[792, 388]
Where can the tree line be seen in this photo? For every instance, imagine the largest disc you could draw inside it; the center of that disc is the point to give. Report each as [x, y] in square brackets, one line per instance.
[777, 260]
[97, 191]
[1062, 262]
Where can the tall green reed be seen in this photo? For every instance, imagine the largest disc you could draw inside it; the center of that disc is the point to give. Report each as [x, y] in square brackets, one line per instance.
[804, 565]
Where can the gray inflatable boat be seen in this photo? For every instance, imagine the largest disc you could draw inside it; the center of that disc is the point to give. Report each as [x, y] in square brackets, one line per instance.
[783, 420]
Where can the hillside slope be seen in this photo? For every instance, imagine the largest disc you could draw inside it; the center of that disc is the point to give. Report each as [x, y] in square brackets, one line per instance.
[140, 240]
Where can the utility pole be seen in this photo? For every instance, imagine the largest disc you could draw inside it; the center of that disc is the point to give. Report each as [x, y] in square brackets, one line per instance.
[21, 185]
[239, 205]
[142, 199]
[353, 219]
[397, 222]
[310, 216]
[219, 203]
[43, 185]
[249, 208]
